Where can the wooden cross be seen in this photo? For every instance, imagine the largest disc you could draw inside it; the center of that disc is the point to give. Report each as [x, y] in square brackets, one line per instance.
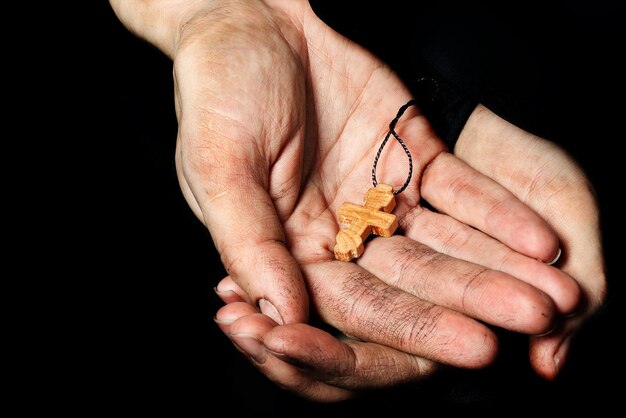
[358, 222]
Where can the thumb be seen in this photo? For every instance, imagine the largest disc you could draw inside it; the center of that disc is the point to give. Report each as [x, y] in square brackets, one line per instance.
[548, 353]
[249, 236]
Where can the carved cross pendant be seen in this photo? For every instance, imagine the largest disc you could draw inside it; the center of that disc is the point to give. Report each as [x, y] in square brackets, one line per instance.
[358, 222]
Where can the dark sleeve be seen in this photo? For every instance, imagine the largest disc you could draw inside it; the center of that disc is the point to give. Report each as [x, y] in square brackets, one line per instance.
[551, 68]
[446, 106]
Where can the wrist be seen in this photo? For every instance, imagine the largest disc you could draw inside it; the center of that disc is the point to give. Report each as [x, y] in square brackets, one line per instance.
[159, 22]
[468, 144]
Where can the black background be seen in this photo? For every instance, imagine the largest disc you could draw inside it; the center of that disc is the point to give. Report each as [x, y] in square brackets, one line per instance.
[157, 349]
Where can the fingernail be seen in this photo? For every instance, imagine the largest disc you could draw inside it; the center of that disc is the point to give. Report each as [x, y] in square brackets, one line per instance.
[287, 359]
[270, 310]
[571, 314]
[250, 346]
[223, 321]
[550, 331]
[346, 336]
[224, 293]
[561, 353]
[556, 258]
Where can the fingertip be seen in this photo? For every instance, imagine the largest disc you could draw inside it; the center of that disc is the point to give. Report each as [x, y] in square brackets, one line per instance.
[255, 324]
[286, 310]
[226, 316]
[544, 366]
[545, 358]
[233, 311]
[467, 344]
[223, 324]
[272, 279]
[528, 310]
[229, 291]
[228, 296]
[485, 349]
[250, 238]
[538, 314]
[517, 306]
[267, 308]
[564, 291]
[561, 353]
[555, 258]
[539, 241]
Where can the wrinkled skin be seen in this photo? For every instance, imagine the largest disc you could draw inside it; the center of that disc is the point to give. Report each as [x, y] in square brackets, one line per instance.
[279, 121]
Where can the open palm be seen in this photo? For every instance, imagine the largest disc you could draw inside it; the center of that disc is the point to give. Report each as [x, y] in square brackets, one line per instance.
[279, 121]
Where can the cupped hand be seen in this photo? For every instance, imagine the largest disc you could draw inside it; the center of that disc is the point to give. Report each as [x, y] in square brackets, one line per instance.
[310, 362]
[550, 181]
[280, 118]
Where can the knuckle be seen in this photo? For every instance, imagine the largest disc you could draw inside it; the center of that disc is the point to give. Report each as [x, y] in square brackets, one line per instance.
[414, 260]
[422, 330]
[473, 285]
[237, 260]
[411, 219]
[205, 157]
[378, 312]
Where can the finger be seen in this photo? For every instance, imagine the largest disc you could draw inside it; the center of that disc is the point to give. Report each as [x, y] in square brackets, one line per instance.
[344, 363]
[249, 236]
[448, 236]
[313, 363]
[552, 183]
[453, 187]
[247, 329]
[350, 299]
[227, 289]
[226, 168]
[230, 292]
[227, 315]
[488, 295]
[548, 353]
[557, 189]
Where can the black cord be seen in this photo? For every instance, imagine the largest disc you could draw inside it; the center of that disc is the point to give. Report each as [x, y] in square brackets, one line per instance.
[392, 127]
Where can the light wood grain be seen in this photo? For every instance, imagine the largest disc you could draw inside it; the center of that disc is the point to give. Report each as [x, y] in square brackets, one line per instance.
[358, 222]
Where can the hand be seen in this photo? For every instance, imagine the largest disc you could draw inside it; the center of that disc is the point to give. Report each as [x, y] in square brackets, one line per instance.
[310, 225]
[291, 355]
[265, 157]
[548, 180]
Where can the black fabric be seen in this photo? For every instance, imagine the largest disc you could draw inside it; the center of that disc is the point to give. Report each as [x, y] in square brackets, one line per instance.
[444, 104]
[544, 66]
